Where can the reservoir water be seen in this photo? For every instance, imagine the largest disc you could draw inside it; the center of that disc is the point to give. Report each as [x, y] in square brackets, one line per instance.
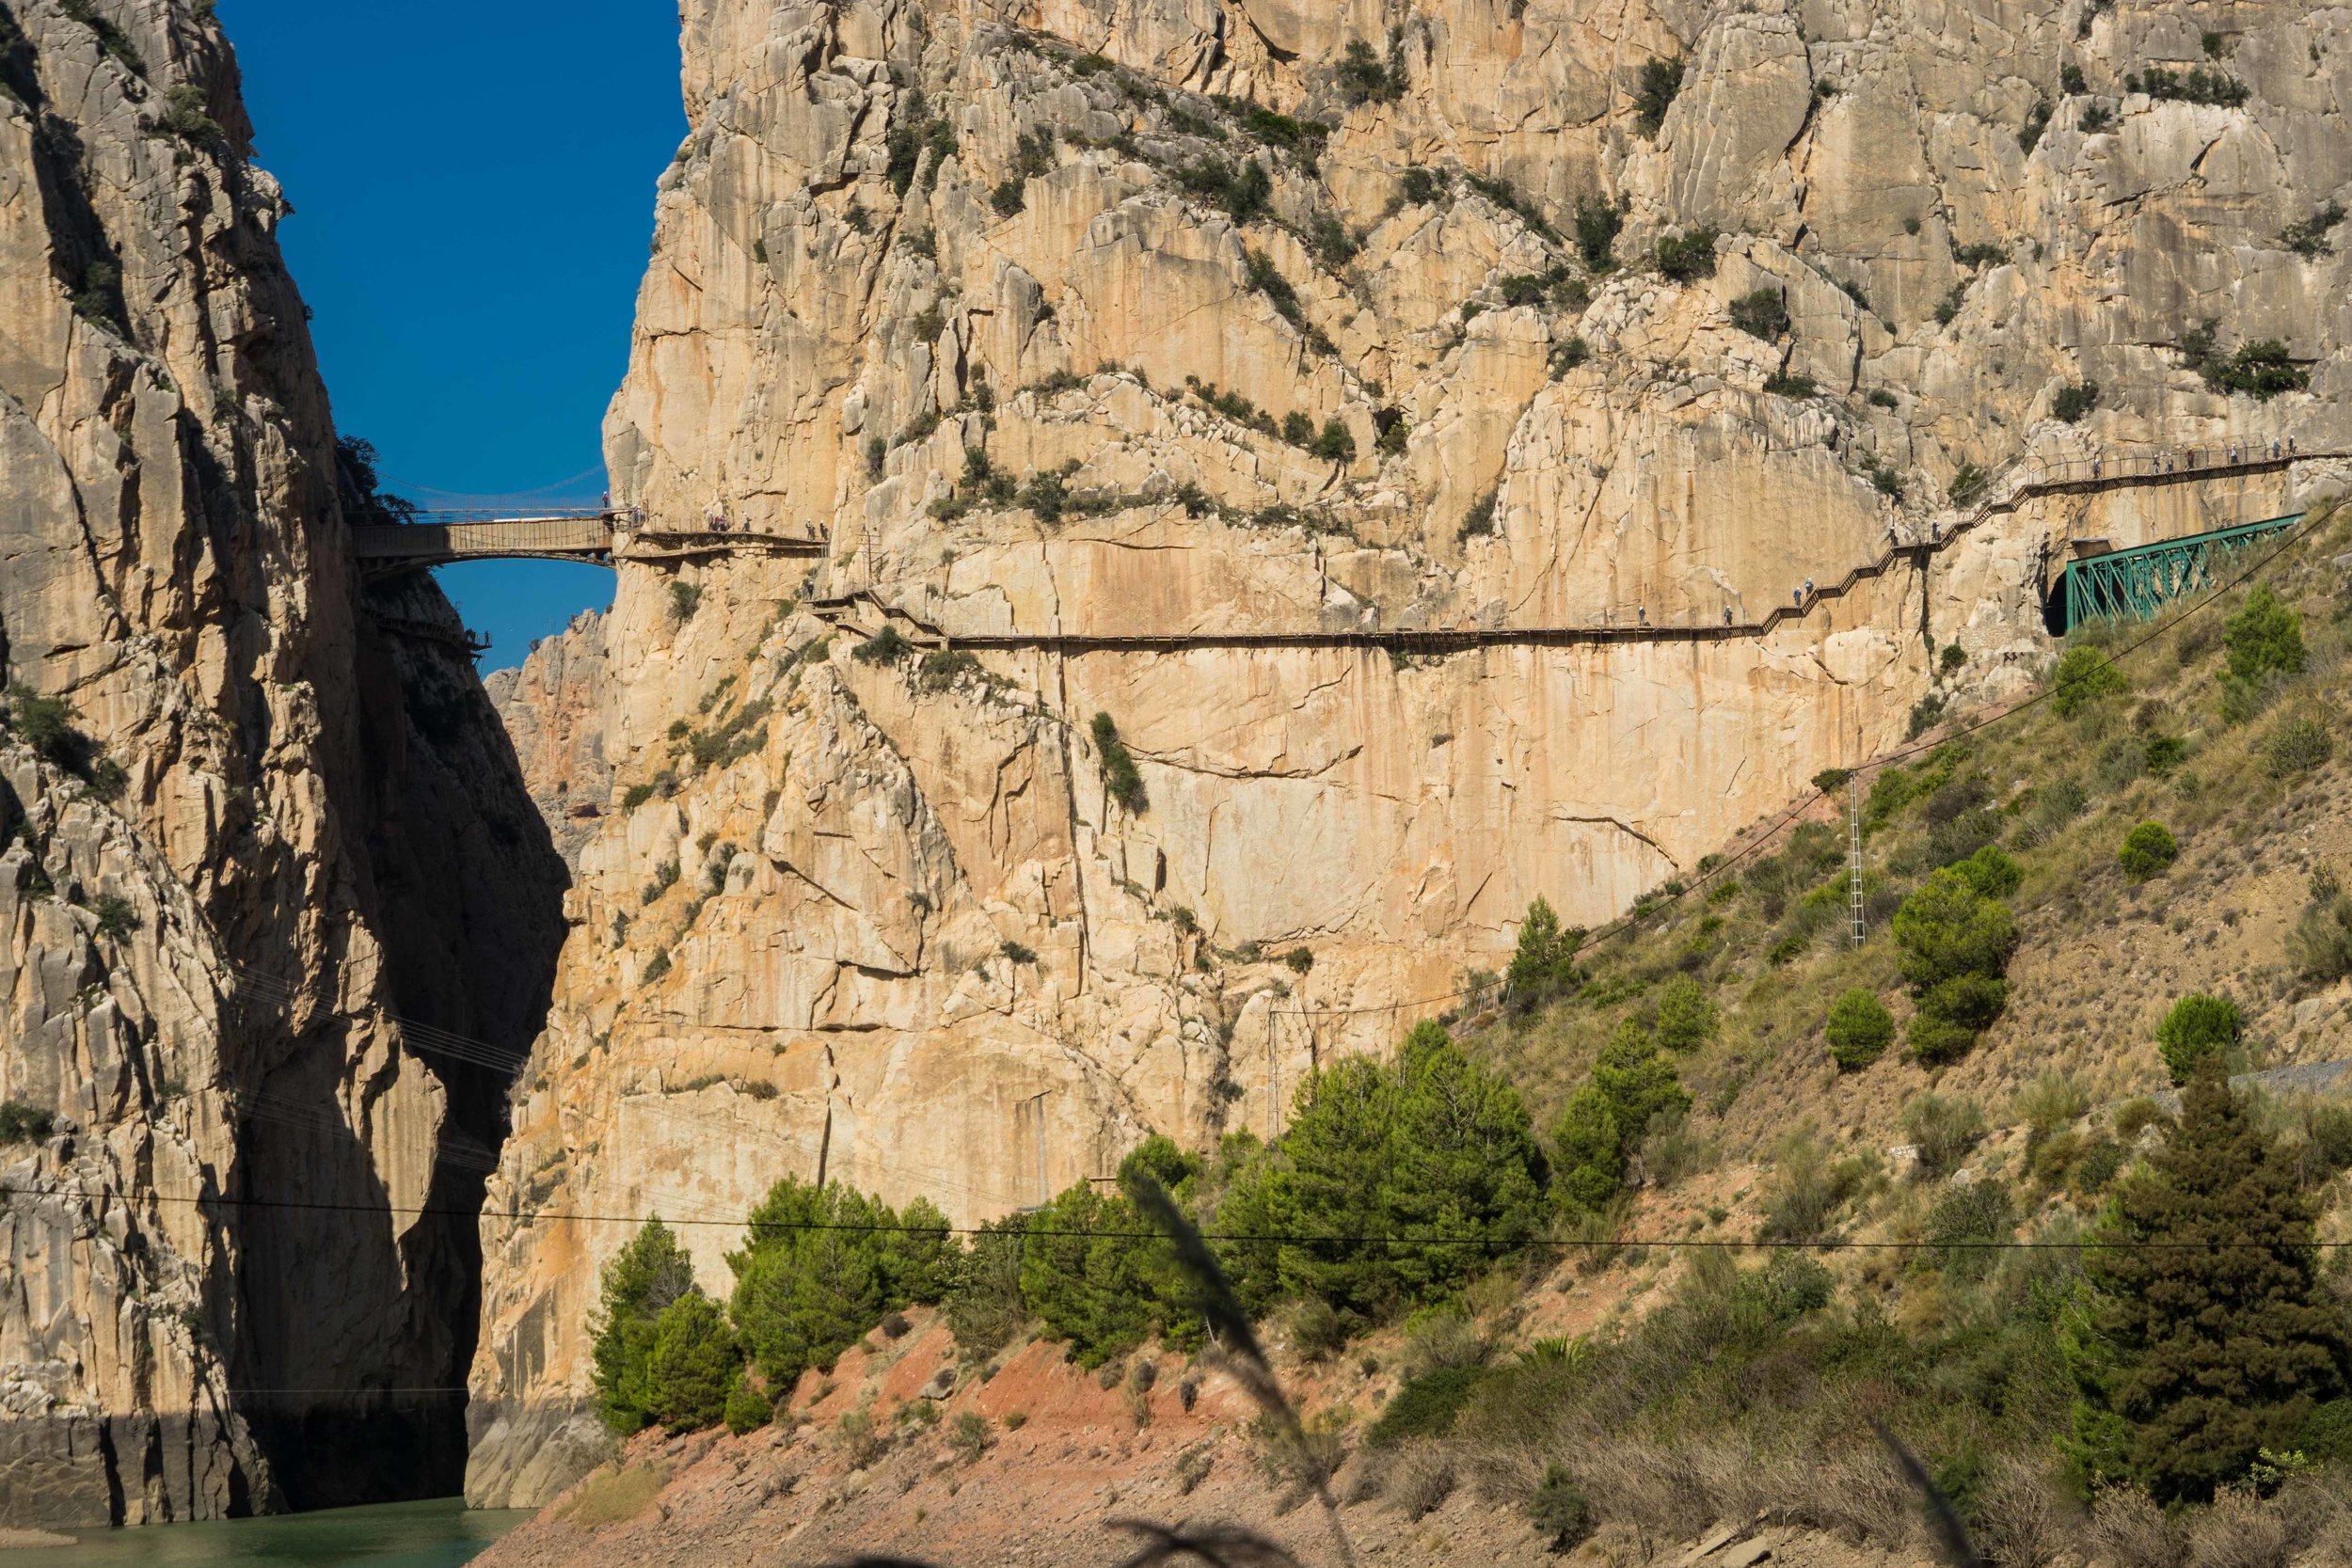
[438, 1533]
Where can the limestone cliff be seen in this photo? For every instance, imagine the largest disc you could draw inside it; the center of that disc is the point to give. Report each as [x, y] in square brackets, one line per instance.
[239, 1257]
[1603, 331]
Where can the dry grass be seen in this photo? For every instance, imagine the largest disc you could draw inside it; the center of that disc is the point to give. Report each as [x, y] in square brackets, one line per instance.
[2024, 1519]
[609, 1497]
[1421, 1477]
[2129, 1530]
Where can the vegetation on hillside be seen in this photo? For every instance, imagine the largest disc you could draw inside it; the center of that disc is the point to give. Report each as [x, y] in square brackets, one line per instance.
[1618, 1093]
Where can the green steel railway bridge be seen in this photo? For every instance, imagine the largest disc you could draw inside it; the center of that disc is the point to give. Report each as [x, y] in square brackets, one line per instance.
[2135, 584]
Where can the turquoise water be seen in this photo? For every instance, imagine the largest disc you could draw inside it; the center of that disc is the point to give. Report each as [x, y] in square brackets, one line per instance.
[440, 1533]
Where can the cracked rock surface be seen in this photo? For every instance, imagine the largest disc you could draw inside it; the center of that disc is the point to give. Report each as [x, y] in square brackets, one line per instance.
[275, 829]
[991, 300]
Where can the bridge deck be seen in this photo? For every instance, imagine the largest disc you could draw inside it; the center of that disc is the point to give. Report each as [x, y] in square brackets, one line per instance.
[598, 537]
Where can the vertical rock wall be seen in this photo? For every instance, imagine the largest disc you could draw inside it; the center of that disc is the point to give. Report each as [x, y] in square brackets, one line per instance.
[238, 1270]
[1200, 317]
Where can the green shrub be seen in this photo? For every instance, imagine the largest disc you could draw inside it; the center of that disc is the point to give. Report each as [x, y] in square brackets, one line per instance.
[2307, 236]
[1965, 1225]
[2147, 850]
[2084, 674]
[1334, 444]
[1426, 1406]
[2074, 402]
[2197, 1027]
[1942, 1131]
[1560, 1512]
[1121, 779]
[1597, 224]
[2198, 85]
[117, 919]
[44, 723]
[967, 1434]
[1243, 192]
[2263, 637]
[886, 646]
[747, 1408]
[1859, 1029]
[1686, 1017]
[1660, 81]
[2163, 754]
[20, 1123]
[187, 114]
[1806, 1189]
[2320, 946]
[1685, 258]
[1479, 521]
[1784, 385]
[685, 598]
[1760, 315]
[2298, 746]
[1364, 77]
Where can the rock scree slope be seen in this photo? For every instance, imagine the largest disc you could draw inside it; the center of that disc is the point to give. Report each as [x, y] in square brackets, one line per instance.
[240, 1264]
[1216, 316]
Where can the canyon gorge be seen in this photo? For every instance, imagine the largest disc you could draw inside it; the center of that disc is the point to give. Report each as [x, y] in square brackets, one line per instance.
[1296, 484]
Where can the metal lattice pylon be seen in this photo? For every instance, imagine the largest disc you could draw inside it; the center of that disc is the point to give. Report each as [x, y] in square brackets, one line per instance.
[1853, 852]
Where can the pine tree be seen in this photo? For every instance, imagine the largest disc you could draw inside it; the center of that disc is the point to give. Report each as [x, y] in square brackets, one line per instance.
[1323, 1192]
[1603, 1122]
[695, 1364]
[1545, 960]
[640, 1281]
[2208, 1335]
[822, 1265]
[1465, 1166]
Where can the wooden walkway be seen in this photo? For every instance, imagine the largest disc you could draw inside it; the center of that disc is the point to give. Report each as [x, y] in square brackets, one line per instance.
[864, 612]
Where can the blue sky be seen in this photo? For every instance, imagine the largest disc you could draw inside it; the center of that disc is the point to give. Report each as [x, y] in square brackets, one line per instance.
[473, 198]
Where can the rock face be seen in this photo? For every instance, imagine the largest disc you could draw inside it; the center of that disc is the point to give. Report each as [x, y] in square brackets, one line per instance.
[1197, 318]
[240, 1270]
[551, 706]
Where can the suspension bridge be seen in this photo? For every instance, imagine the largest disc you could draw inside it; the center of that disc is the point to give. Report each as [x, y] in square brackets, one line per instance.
[599, 537]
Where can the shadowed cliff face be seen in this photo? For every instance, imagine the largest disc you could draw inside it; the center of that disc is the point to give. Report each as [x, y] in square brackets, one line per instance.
[1211, 316]
[273, 830]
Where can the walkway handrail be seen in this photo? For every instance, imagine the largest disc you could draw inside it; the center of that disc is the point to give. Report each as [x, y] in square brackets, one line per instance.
[2026, 479]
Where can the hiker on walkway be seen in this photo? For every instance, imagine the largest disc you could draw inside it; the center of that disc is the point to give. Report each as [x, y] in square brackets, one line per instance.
[716, 518]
